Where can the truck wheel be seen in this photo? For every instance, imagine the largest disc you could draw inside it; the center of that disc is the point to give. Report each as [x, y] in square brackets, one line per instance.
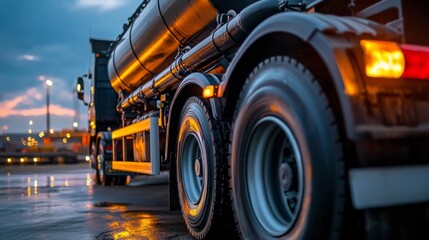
[105, 180]
[201, 170]
[287, 176]
[94, 164]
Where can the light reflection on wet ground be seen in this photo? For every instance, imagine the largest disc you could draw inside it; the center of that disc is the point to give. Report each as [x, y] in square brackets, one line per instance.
[61, 202]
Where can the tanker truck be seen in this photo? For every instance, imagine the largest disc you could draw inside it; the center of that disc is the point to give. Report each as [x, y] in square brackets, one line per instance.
[300, 119]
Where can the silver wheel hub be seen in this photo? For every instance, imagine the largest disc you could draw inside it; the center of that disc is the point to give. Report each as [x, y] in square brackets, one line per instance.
[286, 176]
[192, 169]
[197, 167]
[274, 175]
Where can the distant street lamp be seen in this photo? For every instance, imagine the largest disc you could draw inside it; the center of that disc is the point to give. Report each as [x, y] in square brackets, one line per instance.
[48, 120]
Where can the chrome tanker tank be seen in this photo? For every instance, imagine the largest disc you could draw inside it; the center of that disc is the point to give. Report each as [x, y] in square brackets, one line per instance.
[153, 39]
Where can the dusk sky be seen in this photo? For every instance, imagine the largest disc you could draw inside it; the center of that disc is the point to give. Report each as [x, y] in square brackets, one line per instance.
[49, 39]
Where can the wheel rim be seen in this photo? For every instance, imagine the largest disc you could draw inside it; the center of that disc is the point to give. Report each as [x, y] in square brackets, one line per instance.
[274, 174]
[192, 169]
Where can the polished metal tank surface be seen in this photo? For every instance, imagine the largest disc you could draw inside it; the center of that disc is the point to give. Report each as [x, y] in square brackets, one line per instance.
[222, 41]
[153, 40]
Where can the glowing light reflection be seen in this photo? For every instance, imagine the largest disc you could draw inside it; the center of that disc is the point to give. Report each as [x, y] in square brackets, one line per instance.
[52, 181]
[29, 187]
[35, 187]
[133, 226]
[88, 180]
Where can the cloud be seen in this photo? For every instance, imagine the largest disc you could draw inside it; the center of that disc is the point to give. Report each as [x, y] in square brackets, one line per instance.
[34, 93]
[42, 78]
[28, 57]
[54, 109]
[9, 107]
[25, 98]
[101, 4]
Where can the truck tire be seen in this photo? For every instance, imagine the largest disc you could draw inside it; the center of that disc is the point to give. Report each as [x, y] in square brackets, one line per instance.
[287, 171]
[120, 180]
[94, 164]
[201, 172]
[105, 180]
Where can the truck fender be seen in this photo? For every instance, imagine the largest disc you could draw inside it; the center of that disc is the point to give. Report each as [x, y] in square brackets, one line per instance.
[321, 42]
[192, 85]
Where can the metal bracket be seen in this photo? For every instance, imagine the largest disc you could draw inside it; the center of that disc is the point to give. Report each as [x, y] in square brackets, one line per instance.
[287, 6]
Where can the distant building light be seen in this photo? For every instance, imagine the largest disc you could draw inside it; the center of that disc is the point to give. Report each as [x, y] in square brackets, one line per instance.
[87, 158]
[51, 131]
[75, 124]
[30, 122]
[30, 131]
[64, 140]
[35, 160]
[8, 138]
[21, 160]
[68, 135]
[9, 160]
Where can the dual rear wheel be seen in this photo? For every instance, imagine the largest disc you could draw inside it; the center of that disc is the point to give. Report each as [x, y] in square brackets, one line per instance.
[284, 166]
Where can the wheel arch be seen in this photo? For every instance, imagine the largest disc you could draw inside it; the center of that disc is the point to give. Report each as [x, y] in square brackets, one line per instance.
[320, 42]
[192, 85]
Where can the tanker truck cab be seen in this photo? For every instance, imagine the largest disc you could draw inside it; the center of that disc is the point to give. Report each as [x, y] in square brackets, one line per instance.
[275, 119]
[102, 115]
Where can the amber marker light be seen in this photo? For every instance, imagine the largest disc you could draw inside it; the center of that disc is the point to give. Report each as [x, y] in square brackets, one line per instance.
[210, 91]
[383, 59]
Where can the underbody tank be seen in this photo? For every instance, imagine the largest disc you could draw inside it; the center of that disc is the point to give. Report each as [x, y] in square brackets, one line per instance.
[154, 38]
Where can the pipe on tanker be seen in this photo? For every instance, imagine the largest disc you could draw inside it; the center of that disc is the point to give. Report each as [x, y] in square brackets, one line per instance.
[151, 42]
[223, 40]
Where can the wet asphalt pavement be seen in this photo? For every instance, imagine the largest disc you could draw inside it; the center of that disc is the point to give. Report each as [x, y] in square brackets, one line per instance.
[62, 202]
